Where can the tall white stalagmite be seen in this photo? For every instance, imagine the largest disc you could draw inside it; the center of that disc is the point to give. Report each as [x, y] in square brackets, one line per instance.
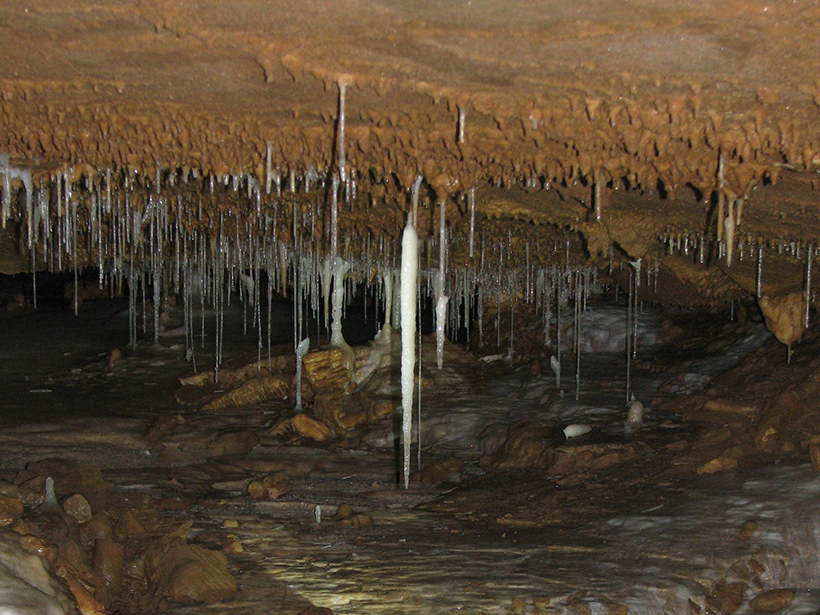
[336, 338]
[409, 271]
[301, 351]
[339, 269]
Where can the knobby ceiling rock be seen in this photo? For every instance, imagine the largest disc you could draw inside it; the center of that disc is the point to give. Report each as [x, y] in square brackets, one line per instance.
[638, 100]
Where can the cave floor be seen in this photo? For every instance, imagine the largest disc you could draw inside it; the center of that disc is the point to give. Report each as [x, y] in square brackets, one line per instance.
[648, 535]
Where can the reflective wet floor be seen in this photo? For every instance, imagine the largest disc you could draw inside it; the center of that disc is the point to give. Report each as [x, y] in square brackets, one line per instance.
[627, 539]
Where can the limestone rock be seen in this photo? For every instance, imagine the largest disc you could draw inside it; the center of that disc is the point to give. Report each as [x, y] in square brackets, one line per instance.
[785, 316]
[251, 392]
[327, 370]
[729, 595]
[731, 407]
[10, 510]
[523, 448]
[748, 529]
[245, 366]
[344, 511]
[171, 454]
[357, 521]
[270, 487]
[70, 476]
[311, 428]
[726, 461]
[114, 358]
[568, 459]
[232, 544]
[772, 601]
[381, 408]
[236, 371]
[197, 380]
[128, 526]
[78, 507]
[814, 453]
[9, 489]
[86, 603]
[232, 443]
[188, 573]
[32, 491]
[328, 408]
[190, 395]
[162, 426]
[98, 528]
[441, 470]
[279, 427]
[109, 559]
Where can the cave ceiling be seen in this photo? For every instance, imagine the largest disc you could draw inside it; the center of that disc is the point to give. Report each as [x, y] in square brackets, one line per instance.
[645, 114]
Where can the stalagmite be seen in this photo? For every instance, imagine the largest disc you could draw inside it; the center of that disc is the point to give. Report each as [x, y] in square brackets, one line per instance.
[336, 338]
[301, 351]
[634, 417]
[759, 276]
[576, 430]
[409, 271]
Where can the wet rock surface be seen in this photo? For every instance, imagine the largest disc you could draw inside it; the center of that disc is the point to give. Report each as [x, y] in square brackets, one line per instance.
[327, 518]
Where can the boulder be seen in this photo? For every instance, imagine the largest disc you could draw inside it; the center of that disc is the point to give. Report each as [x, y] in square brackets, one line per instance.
[270, 487]
[523, 448]
[441, 470]
[311, 428]
[188, 573]
[568, 459]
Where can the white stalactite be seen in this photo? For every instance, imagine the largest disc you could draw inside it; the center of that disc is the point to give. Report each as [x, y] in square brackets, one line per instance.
[441, 298]
[729, 227]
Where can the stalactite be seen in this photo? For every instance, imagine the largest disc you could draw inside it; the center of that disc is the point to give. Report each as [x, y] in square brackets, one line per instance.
[409, 270]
